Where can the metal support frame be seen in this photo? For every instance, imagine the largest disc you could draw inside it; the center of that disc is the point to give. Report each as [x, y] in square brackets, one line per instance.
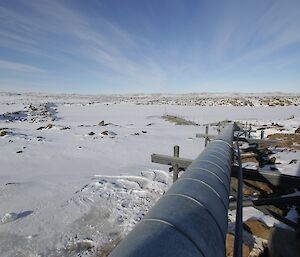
[238, 235]
[191, 218]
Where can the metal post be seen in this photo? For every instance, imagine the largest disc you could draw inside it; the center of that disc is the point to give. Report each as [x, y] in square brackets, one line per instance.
[246, 129]
[206, 135]
[262, 134]
[176, 167]
[238, 235]
[249, 132]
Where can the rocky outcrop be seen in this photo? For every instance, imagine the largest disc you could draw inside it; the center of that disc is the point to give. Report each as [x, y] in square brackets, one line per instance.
[257, 228]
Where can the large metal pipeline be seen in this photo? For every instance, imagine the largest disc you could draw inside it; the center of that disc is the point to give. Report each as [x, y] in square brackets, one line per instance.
[191, 218]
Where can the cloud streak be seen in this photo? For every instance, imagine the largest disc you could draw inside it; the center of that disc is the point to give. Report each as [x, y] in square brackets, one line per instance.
[21, 67]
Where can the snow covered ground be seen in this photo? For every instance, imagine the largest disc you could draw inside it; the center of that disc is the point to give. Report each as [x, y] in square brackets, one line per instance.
[70, 183]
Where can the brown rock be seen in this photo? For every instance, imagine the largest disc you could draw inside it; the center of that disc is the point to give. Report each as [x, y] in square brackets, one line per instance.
[257, 228]
[49, 126]
[230, 245]
[3, 133]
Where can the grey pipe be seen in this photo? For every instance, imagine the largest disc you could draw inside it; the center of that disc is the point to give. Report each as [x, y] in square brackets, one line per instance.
[191, 218]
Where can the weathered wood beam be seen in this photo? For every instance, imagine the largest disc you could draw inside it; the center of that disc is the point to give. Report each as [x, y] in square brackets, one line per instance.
[203, 135]
[276, 201]
[273, 178]
[182, 163]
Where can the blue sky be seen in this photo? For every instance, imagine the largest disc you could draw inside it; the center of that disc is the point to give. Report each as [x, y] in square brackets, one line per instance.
[124, 46]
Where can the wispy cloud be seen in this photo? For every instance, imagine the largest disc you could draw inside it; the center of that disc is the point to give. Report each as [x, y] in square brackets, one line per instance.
[21, 67]
[104, 45]
[270, 28]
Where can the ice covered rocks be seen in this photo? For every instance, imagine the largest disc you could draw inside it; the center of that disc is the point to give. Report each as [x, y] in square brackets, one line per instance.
[80, 246]
[101, 123]
[49, 126]
[9, 217]
[108, 133]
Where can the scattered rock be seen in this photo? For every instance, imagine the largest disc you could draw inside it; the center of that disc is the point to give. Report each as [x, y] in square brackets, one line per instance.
[11, 183]
[32, 108]
[49, 126]
[91, 133]
[20, 151]
[144, 131]
[80, 246]
[149, 124]
[268, 160]
[257, 228]
[106, 249]
[230, 245]
[105, 133]
[297, 131]
[136, 134]
[101, 123]
[65, 128]
[3, 133]
[293, 161]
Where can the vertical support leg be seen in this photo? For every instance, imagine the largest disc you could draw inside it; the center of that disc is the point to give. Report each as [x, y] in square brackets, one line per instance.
[262, 134]
[249, 132]
[206, 135]
[176, 168]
